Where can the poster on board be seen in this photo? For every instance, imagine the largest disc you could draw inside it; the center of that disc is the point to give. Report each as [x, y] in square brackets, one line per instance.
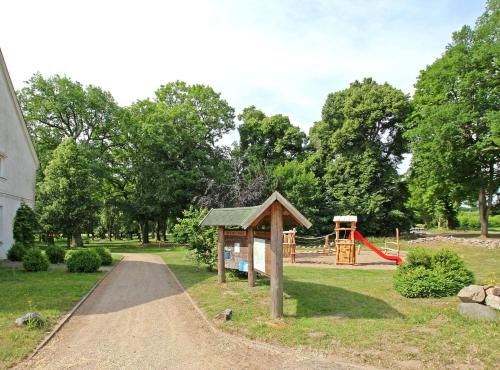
[259, 255]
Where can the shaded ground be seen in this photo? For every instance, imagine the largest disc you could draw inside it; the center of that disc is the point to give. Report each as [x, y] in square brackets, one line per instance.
[140, 318]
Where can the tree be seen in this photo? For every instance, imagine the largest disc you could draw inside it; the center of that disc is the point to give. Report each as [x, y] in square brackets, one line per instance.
[170, 152]
[25, 225]
[359, 145]
[297, 181]
[66, 199]
[454, 128]
[269, 140]
[57, 108]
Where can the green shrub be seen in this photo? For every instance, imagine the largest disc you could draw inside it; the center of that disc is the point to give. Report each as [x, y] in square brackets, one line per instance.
[35, 260]
[470, 220]
[56, 253]
[16, 252]
[25, 225]
[419, 257]
[425, 275]
[105, 254]
[83, 260]
[201, 241]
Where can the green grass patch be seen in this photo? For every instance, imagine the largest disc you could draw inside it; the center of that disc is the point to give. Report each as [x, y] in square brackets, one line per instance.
[354, 314]
[52, 293]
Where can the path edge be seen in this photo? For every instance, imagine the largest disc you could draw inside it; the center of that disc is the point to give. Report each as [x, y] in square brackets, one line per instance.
[70, 314]
[192, 301]
[257, 343]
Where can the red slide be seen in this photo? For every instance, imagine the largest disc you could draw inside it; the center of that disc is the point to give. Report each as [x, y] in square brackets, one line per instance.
[358, 236]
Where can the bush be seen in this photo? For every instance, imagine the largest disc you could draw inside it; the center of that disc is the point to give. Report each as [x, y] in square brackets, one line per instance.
[425, 275]
[105, 254]
[83, 260]
[56, 253]
[470, 221]
[35, 260]
[25, 225]
[201, 241]
[16, 252]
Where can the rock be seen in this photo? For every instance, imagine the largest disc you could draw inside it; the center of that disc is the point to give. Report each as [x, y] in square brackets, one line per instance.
[493, 291]
[493, 301]
[29, 317]
[477, 311]
[472, 294]
[225, 315]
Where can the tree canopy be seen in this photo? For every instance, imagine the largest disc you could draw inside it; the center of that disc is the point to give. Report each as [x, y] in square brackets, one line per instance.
[359, 142]
[453, 131]
[124, 170]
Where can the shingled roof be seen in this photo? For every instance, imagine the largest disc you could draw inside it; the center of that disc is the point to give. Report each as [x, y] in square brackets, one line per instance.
[245, 216]
[228, 216]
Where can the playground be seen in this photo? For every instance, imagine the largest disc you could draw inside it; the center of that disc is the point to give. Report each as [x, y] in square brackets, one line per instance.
[345, 248]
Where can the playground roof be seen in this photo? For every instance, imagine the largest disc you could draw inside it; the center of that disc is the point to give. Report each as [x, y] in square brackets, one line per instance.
[245, 217]
[345, 219]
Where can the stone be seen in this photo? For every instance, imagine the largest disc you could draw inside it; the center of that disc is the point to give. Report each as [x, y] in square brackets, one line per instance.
[493, 291]
[477, 311]
[472, 294]
[29, 317]
[225, 315]
[493, 301]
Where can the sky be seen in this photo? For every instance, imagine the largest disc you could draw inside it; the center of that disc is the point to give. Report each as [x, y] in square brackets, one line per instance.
[281, 56]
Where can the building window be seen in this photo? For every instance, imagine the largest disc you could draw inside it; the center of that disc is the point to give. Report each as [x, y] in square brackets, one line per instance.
[2, 166]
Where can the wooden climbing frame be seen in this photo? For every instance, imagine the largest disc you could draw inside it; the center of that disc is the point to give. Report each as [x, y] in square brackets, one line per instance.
[345, 246]
[289, 245]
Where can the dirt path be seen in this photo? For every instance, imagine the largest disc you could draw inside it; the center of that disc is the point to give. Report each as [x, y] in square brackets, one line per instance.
[139, 318]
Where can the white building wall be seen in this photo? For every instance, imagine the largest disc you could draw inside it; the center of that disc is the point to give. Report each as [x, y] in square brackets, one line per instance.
[17, 180]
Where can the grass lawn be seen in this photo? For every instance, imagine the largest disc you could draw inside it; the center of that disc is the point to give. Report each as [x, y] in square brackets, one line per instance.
[51, 293]
[353, 314]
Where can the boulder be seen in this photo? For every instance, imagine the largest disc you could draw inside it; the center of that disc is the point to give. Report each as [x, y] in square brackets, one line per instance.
[493, 291]
[225, 315]
[493, 301]
[29, 317]
[477, 311]
[472, 294]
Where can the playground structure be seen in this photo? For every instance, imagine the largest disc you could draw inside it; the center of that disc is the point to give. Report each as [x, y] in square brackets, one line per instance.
[345, 250]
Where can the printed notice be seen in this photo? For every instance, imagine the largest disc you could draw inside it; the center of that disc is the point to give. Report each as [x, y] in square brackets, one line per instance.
[259, 254]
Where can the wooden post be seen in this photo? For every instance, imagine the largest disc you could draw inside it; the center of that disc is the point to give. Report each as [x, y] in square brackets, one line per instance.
[221, 268]
[251, 271]
[397, 240]
[276, 260]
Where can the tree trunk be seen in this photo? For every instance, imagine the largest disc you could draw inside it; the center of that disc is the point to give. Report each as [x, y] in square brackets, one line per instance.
[50, 239]
[483, 211]
[491, 188]
[451, 216]
[77, 240]
[68, 241]
[158, 230]
[145, 233]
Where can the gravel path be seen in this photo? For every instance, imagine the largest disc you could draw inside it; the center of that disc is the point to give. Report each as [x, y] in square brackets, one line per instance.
[139, 318]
